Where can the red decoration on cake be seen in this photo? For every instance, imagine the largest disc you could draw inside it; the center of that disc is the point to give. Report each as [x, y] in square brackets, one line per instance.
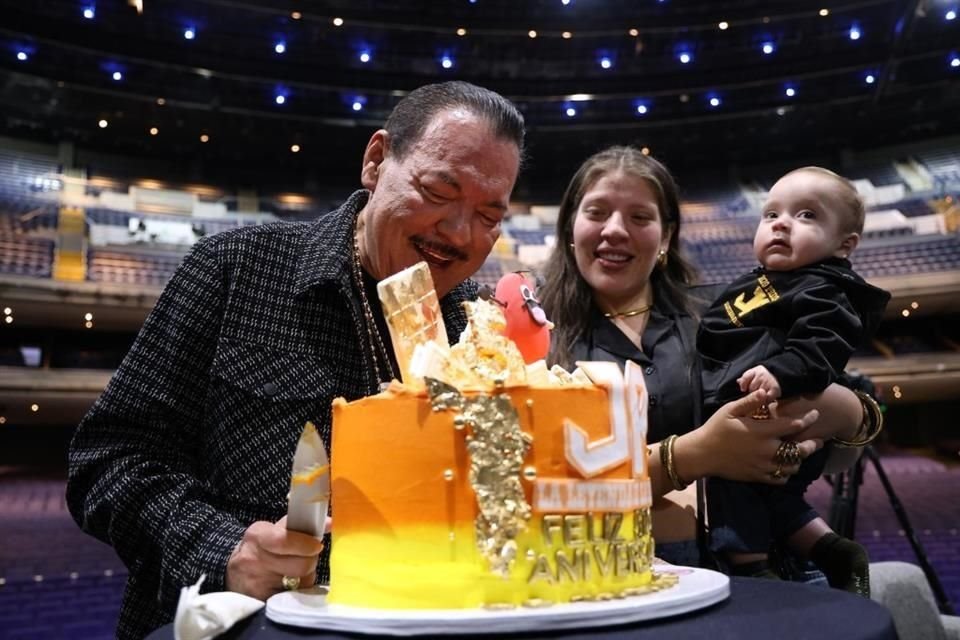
[527, 324]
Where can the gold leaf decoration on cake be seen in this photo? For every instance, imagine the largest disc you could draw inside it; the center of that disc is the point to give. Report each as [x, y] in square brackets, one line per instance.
[497, 446]
[484, 357]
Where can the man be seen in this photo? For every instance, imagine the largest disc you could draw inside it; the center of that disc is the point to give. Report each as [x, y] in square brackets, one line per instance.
[183, 464]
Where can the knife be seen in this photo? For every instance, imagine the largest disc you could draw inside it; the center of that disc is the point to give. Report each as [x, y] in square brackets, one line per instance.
[309, 494]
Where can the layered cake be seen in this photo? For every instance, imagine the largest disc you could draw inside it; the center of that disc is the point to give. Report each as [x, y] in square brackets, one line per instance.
[483, 481]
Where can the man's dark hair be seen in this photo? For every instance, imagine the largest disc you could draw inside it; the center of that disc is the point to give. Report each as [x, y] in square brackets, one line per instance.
[416, 110]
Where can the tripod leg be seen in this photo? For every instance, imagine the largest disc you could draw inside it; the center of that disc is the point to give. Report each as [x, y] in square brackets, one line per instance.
[900, 512]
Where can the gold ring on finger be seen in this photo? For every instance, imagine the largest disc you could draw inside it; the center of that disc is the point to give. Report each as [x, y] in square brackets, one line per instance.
[778, 473]
[762, 413]
[290, 583]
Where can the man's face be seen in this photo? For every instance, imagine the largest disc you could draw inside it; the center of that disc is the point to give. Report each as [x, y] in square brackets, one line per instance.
[441, 203]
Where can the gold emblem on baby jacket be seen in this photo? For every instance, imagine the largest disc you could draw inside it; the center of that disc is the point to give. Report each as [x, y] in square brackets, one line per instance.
[763, 294]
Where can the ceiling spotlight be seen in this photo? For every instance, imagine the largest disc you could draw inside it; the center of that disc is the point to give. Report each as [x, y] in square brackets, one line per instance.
[7, 311]
[714, 101]
[154, 131]
[951, 14]
[606, 62]
[189, 33]
[22, 56]
[790, 92]
[532, 33]
[294, 148]
[870, 78]
[855, 32]
[685, 58]
[280, 47]
[564, 2]
[161, 101]
[781, 111]
[824, 12]
[117, 76]
[89, 13]
[88, 324]
[204, 138]
[296, 15]
[570, 112]
[364, 56]
[461, 31]
[102, 124]
[357, 105]
[645, 151]
[8, 319]
[338, 22]
[955, 61]
[767, 48]
[34, 407]
[634, 32]
[566, 35]
[724, 25]
[642, 109]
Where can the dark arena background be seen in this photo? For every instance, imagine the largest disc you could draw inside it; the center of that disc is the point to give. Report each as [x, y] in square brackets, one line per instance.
[130, 129]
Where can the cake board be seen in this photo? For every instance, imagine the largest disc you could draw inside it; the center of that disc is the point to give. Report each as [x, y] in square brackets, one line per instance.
[695, 589]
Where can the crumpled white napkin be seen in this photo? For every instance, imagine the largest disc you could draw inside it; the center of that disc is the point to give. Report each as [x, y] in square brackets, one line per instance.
[202, 617]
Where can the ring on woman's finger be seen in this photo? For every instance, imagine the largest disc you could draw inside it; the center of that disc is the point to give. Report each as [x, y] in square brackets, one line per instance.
[762, 413]
[290, 583]
[788, 453]
[778, 473]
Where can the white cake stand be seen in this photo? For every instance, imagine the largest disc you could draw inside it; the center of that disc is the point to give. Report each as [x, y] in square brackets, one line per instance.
[696, 589]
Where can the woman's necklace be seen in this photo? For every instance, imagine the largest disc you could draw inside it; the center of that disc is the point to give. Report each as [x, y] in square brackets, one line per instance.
[375, 342]
[628, 314]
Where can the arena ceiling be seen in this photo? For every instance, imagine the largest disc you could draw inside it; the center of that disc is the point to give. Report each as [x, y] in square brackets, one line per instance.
[224, 90]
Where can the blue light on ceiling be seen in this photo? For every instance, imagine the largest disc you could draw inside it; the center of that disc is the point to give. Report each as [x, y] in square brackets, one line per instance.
[855, 32]
[768, 48]
[950, 15]
[280, 47]
[89, 12]
[446, 61]
[189, 33]
[790, 91]
[22, 55]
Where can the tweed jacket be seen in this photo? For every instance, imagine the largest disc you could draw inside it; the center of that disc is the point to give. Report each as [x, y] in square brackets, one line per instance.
[193, 438]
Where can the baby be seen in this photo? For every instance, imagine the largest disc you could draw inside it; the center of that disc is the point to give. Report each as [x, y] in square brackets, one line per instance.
[789, 327]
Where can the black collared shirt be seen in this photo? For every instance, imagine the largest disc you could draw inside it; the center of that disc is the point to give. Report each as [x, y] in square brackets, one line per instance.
[667, 359]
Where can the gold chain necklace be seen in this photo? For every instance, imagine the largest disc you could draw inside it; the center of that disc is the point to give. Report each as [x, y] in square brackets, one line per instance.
[628, 314]
[373, 333]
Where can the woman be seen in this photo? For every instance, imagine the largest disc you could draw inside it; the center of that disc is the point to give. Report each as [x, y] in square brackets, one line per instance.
[618, 288]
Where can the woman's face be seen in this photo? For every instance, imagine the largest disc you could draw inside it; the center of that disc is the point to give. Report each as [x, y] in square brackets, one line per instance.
[617, 233]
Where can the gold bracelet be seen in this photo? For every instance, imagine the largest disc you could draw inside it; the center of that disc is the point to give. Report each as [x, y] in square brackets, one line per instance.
[870, 426]
[668, 463]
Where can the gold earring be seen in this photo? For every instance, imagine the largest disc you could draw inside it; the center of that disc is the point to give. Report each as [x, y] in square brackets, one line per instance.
[572, 246]
[662, 260]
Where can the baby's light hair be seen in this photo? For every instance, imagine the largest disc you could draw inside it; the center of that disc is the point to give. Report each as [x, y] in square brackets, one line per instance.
[856, 210]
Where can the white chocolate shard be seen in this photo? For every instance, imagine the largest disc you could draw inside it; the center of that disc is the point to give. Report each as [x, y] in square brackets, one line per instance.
[412, 310]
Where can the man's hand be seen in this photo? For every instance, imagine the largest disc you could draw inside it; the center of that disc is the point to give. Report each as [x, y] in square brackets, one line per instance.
[759, 378]
[266, 553]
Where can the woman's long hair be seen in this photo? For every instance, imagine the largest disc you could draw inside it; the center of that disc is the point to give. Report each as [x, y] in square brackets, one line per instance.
[566, 297]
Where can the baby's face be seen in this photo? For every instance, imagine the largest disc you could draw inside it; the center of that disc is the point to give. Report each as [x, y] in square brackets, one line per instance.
[801, 222]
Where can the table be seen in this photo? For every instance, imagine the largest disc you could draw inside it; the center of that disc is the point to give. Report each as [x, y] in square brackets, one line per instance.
[756, 608]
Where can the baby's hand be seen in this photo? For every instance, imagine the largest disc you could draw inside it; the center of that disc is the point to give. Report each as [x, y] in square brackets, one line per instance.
[759, 378]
